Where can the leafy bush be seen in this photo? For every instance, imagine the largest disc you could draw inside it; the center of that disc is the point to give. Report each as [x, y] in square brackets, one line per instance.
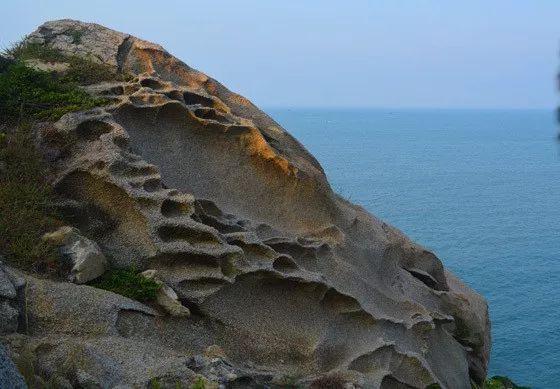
[5, 62]
[25, 198]
[129, 283]
[76, 36]
[33, 94]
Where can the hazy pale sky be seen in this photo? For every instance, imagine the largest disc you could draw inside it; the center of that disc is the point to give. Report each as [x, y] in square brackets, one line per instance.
[322, 53]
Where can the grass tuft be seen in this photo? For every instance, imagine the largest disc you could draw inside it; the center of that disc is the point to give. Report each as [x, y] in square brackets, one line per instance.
[129, 283]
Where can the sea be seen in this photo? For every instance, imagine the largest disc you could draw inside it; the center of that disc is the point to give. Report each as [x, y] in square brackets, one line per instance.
[481, 189]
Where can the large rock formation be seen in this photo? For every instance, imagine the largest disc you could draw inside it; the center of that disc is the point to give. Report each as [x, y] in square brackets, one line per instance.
[180, 175]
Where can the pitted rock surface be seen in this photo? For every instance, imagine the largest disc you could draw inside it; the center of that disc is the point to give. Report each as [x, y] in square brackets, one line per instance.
[182, 176]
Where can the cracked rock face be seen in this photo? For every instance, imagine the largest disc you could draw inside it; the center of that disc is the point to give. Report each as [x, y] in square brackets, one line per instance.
[182, 176]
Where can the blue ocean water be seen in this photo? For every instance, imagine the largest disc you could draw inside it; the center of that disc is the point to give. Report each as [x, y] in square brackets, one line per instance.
[479, 188]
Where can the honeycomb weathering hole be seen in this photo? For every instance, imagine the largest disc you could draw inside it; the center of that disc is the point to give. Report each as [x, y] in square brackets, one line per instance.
[194, 98]
[169, 233]
[211, 114]
[424, 277]
[173, 208]
[92, 129]
[152, 185]
[284, 264]
[175, 95]
[151, 83]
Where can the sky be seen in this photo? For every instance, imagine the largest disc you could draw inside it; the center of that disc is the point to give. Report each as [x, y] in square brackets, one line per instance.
[348, 54]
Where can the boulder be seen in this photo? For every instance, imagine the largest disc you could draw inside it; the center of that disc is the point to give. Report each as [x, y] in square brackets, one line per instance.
[12, 301]
[7, 289]
[8, 318]
[88, 262]
[166, 297]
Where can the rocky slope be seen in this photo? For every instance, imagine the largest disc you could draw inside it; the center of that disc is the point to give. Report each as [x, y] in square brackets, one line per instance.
[286, 281]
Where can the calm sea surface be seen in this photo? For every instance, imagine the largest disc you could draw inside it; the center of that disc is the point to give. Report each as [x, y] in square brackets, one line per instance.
[479, 188]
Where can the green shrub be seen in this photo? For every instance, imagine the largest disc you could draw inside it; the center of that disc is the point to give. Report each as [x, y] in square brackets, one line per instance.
[76, 36]
[5, 62]
[24, 50]
[25, 199]
[129, 283]
[33, 94]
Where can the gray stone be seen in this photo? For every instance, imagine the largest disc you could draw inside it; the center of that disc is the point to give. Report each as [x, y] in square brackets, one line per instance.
[166, 297]
[10, 377]
[11, 301]
[19, 283]
[88, 262]
[7, 289]
[8, 318]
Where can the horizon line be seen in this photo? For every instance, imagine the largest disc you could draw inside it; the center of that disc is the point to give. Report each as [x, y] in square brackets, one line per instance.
[411, 108]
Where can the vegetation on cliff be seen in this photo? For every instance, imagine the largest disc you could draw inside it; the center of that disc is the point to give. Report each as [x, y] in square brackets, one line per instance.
[24, 202]
[28, 95]
[501, 382]
[79, 70]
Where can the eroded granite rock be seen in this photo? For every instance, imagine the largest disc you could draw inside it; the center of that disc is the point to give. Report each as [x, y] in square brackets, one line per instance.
[195, 182]
[166, 297]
